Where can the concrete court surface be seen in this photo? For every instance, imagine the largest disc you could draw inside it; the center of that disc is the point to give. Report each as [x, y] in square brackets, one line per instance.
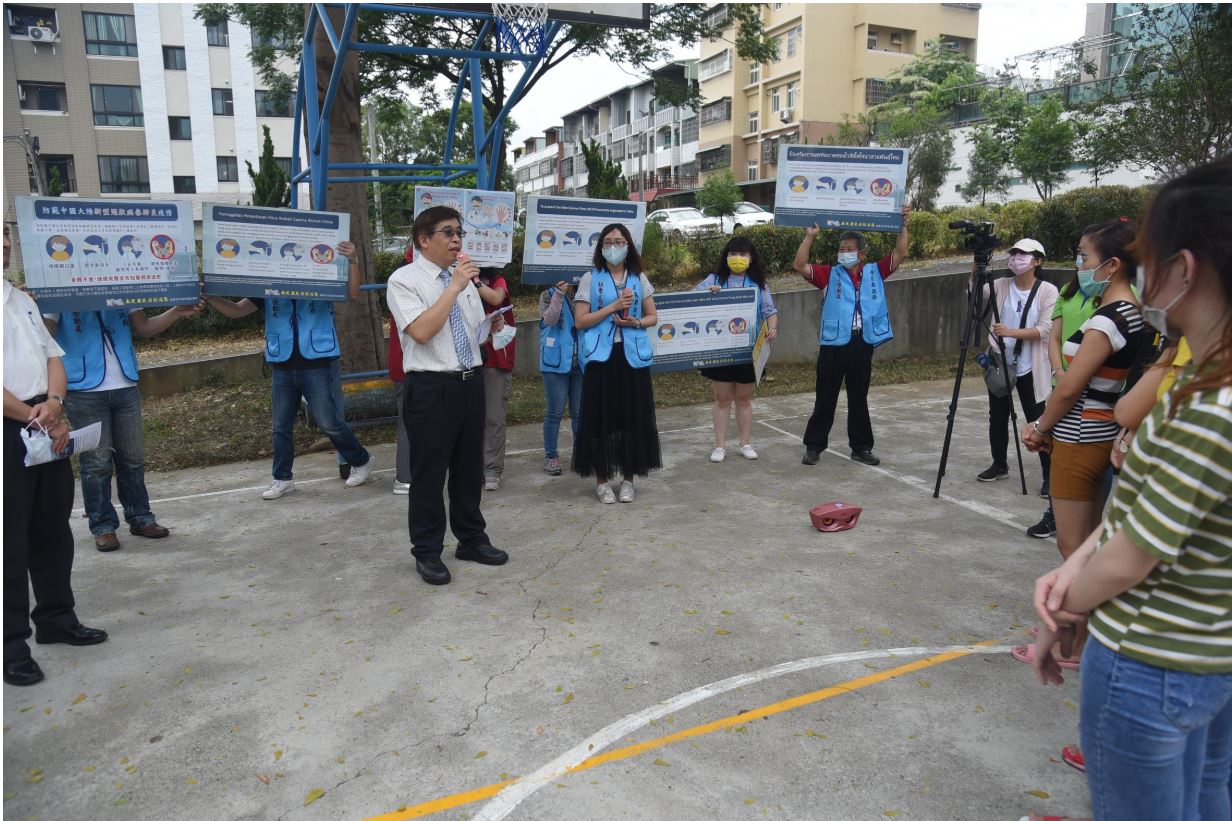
[271, 650]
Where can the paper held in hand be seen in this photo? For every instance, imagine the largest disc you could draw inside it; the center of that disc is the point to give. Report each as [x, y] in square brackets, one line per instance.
[761, 352]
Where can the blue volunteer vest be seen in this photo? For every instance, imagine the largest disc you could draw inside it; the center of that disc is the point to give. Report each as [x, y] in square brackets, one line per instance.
[314, 321]
[597, 340]
[81, 335]
[557, 342]
[839, 309]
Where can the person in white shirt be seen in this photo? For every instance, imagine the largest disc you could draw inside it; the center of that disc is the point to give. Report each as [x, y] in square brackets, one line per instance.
[38, 500]
[438, 313]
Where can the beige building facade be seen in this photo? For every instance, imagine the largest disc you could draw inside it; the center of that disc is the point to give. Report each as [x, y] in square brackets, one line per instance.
[833, 61]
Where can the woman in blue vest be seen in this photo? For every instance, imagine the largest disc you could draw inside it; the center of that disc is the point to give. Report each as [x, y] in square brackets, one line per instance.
[615, 306]
[558, 362]
[740, 266]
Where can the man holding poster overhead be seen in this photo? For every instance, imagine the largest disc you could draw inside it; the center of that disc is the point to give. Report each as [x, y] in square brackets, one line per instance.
[854, 320]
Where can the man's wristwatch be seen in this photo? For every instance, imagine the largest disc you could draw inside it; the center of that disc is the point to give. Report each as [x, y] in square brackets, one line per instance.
[1035, 426]
[56, 397]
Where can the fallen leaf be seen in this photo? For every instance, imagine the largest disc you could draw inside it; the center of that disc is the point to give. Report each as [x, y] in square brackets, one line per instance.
[658, 762]
[979, 708]
[79, 699]
[748, 802]
[313, 795]
[89, 768]
[690, 612]
[263, 778]
[340, 760]
[1039, 793]
[568, 698]
[726, 613]
[892, 813]
[190, 781]
[722, 632]
[277, 755]
[924, 683]
[480, 754]
[156, 739]
[1070, 705]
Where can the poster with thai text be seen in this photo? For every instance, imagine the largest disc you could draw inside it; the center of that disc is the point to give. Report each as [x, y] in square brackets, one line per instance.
[562, 233]
[842, 188]
[704, 329]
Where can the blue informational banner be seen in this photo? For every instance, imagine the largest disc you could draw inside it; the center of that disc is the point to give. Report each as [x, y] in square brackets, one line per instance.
[274, 252]
[839, 187]
[704, 329]
[562, 232]
[86, 255]
[487, 218]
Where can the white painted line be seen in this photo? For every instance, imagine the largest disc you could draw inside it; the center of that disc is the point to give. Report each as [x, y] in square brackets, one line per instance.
[508, 799]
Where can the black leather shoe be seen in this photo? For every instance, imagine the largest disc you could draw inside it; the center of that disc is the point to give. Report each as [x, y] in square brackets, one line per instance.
[484, 554]
[78, 635]
[433, 571]
[22, 673]
[865, 457]
[810, 457]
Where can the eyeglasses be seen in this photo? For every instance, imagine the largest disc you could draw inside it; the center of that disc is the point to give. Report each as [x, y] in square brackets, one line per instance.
[450, 233]
[615, 243]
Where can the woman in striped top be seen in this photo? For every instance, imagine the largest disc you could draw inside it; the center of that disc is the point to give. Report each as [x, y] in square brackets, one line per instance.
[1155, 581]
[1078, 425]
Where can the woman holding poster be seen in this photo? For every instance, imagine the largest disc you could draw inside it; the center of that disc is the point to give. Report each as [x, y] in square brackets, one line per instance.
[740, 266]
[614, 307]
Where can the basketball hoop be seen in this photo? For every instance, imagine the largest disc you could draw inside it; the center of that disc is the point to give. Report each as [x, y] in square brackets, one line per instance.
[520, 27]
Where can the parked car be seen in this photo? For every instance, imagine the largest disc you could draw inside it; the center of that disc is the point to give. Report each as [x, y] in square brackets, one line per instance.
[678, 223]
[747, 213]
[391, 244]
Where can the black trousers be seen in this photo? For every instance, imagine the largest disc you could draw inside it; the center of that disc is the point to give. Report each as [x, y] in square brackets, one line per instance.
[444, 419]
[851, 364]
[38, 544]
[999, 420]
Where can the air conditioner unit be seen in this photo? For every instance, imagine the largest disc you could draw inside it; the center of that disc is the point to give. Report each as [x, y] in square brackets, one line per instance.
[42, 34]
[785, 114]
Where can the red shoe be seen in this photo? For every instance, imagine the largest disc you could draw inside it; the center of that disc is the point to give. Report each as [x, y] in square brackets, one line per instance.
[1026, 654]
[1073, 757]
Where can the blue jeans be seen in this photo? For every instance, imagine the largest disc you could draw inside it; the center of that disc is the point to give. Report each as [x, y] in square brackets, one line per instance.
[316, 385]
[120, 451]
[1157, 742]
[560, 388]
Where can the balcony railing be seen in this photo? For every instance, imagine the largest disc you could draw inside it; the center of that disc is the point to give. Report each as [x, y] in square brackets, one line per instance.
[645, 182]
[620, 132]
[667, 116]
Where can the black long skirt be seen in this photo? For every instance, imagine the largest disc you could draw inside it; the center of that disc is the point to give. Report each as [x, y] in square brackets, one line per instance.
[618, 436]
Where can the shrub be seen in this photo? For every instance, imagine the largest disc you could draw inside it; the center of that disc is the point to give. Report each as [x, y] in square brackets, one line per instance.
[925, 232]
[1016, 220]
[384, 263]
[1065, 215]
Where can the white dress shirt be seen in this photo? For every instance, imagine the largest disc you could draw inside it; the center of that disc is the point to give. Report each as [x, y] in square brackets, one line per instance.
[27, 345]
[413, 289]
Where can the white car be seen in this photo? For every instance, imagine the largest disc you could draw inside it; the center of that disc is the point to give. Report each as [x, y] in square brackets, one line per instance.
[678, 223]
[747, 213]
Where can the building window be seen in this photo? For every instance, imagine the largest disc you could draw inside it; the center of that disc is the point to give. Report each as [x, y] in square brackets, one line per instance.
[770, 152]
[714, 158]
[876, 92]
[181, 128]
[224, 105]
[184, 185]
[716, 17]
[284, 164]
[791, 95]
[117, 105]
[123, 175]
[872, 38]
[775, 99]
[754, 117]
[755, 73]
[716, 112]
[173, 58]
[714, 66]
[276, 41]
[665, 138]
[752, 173]
[62, 166]
[228, 169]
[111, 35]
[273, 105]
[688, 130]
[217, 34]
[24, 18]
[42, 97]
[793, 41]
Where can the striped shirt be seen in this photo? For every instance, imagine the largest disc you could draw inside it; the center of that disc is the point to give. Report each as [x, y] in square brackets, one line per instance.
[1091, 418]
[1174, 501]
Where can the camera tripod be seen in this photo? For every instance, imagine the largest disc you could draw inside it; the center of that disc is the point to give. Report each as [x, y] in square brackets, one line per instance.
[982, 243]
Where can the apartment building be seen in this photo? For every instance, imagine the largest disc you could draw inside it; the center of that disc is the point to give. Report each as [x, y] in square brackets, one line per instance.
[536, 166]
[133, 100]
[833, 61]
[655, 143]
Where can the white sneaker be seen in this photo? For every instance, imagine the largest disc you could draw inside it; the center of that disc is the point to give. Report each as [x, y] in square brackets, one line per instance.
[401, 488]
[747, 452]
[718, 454]
[626, 491]
[604, 492]
[491, 483]
[360, 474]
[278, 489]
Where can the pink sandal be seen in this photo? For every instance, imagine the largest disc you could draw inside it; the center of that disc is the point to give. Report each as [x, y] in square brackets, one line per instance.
[1026, 654]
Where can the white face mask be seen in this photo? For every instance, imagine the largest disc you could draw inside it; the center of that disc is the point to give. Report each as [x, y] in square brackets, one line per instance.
[1153, 316]
[38, 445]
[848, 258]
[502, 338]
[615, 254]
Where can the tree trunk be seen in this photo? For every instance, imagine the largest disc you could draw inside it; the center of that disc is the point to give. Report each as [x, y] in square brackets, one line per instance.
[359, 323]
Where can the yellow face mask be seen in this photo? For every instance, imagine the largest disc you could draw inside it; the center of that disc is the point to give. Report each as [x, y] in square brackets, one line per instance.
[737, 265]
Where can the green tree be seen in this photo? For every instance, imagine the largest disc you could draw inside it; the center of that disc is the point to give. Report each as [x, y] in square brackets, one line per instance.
[1100, 145]
[604, 180]
[1045, 147]
[987, 174]
[719, 196]
[269, 184]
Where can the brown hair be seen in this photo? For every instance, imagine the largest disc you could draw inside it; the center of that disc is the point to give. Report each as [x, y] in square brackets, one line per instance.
[1193, 212]
[425, 224]
[633, 262]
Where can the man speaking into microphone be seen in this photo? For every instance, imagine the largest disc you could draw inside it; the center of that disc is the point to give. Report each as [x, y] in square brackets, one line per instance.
[438, 313]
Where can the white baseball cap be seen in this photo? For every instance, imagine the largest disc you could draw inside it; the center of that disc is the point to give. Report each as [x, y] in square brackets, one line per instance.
[1029, 245]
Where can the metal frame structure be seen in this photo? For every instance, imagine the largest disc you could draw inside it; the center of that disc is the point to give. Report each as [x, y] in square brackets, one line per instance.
[487, 137]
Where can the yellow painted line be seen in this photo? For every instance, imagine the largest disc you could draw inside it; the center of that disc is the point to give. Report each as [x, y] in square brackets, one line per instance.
[448, 802]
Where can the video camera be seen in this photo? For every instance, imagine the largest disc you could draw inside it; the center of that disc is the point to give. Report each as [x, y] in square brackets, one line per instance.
[980, 238]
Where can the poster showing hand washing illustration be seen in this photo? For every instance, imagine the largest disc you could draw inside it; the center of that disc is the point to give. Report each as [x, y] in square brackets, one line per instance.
[487, 219]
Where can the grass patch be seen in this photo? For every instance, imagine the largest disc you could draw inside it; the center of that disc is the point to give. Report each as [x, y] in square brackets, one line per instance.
[214, 424]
